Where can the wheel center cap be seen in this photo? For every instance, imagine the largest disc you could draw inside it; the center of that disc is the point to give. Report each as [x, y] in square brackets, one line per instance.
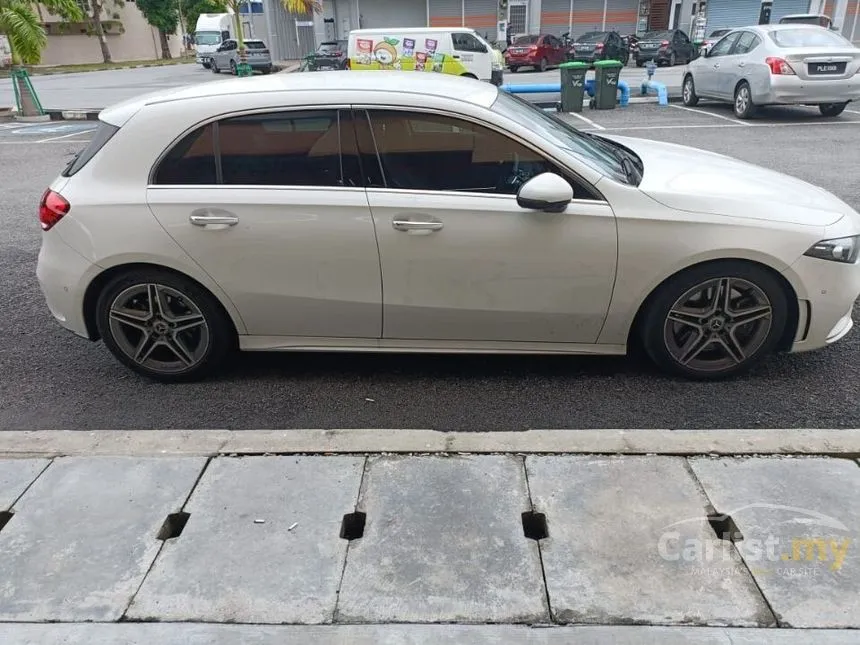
[716, 323]
[159, 327]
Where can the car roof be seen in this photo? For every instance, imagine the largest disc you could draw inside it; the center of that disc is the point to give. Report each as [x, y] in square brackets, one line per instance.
[369, 82]
[412, 30]
[778, 27]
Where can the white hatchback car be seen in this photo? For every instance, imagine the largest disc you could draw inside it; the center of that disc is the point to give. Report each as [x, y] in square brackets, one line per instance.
[402, 212]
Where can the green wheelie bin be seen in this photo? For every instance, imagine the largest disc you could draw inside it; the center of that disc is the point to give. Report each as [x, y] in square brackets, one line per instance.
[572, 85]
[606, 75]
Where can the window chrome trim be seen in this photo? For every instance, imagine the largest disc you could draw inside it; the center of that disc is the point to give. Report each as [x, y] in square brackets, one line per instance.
[490, 126]
[463, 193]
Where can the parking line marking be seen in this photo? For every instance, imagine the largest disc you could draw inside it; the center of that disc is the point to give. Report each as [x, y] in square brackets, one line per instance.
[716, 116]
[587, 120]
[64, 136]
[853, 111]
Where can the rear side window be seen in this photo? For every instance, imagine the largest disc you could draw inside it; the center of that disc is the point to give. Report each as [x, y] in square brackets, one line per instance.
[746, 43]
[808, 38]
[191, 161]
[103, 134]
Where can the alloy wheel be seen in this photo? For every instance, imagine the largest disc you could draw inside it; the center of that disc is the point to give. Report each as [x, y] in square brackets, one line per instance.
[718, 324]
[742, 100]
[159, 328]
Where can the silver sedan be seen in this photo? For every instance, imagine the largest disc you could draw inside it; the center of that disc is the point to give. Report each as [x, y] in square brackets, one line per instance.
[777, 65]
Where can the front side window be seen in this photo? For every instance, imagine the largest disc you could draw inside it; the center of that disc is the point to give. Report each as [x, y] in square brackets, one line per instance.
[272, 149]
[432, 152]
[723, 47]
[466, 42]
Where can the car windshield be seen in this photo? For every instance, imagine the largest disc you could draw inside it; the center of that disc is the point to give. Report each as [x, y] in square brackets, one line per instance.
[808, 38]
[806, 20]
[331, 47]
[207, 37]
[657, 35]
[560, 133]
[591, 37]
[526, 40]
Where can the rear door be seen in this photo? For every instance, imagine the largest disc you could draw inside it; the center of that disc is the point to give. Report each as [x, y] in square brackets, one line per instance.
[741, 65]
[272, 207]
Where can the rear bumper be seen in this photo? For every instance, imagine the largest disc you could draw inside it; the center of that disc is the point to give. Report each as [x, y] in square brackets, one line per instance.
[328, 63]
[62, 274]
[521, 61]
[794, 90]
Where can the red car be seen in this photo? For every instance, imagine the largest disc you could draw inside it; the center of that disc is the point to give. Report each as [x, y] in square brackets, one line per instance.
[539, 52]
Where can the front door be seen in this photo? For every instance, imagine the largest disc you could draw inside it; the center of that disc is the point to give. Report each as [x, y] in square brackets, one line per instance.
[473, 55]
[272, 208]
[461, 260]
[707, 75]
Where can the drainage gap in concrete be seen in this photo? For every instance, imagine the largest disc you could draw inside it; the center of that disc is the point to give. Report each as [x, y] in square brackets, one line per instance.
[725, 528]
[173, 525]
[534, 525]
[352, 526]
[5, 516]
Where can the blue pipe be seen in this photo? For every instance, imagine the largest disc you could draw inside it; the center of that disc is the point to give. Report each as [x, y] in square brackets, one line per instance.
[624, 88]
[659, 88]
[545, 88]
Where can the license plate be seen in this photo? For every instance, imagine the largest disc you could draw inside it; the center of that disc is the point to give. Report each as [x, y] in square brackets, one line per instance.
[647, 46]
[826, 68]
[325, 68]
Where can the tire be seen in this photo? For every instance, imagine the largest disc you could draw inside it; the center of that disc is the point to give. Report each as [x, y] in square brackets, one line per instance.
[468, 75]
[640, 63]
[673, 60]
[543, 65]
[206, 65]
[514, 69]
[697, 341]
[832, 109]
[743, 104]
[266, 70]
[214, 68]
[691, 99]
[207, 342]
[233, 69]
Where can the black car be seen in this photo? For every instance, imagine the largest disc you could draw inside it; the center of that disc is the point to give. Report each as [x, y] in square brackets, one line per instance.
[329, 55]
[665, 47]
[600, 45]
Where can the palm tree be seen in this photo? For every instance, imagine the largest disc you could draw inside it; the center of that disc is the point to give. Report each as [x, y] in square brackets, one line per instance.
[27, 38]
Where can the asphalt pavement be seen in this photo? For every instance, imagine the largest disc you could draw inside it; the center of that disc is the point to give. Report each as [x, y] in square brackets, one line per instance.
[51, 379]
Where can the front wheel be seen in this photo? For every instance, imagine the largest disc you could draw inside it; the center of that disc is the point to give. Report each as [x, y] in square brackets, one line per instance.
[233, 69]
[744, 106]
[214, 68]
[640, 63]
[715, 320]
[163, 325]
[832, 109]
[689, 95]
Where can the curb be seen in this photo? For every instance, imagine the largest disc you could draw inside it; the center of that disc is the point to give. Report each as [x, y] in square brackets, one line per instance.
[91, 114]
[784, 442]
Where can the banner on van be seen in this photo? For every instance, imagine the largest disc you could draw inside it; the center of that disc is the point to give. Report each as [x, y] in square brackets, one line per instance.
[407, 54]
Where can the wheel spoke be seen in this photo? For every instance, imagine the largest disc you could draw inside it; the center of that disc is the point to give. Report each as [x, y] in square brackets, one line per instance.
[732, 346]
[752, 314]
[155, 303]
[144, 347]
[720, 287]
[188, 322]
[179, 349]
[694, 347]
[134, 319]
[685, 318]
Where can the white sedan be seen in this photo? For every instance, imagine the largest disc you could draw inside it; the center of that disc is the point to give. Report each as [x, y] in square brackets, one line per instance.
[788, 64]
[403, 212]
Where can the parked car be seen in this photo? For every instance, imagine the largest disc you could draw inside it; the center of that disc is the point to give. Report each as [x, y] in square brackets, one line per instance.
[712, 38]
[427, 212]
[631, 41]
[226, 57]
[667, 47]
[777, 65]
[600, 45]
[817, 19]
[539, 51]
[330, 55]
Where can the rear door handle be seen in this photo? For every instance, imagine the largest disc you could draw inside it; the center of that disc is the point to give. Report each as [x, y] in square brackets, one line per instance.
[213, 217]
[741, 64]
[426, 224]
[716, 65]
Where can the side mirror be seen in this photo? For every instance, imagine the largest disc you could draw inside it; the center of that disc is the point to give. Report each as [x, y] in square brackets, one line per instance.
[546, 192]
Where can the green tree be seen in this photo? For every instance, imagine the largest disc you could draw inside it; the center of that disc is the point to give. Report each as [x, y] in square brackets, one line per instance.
[164, 16]
[94, 12]
[191, 10]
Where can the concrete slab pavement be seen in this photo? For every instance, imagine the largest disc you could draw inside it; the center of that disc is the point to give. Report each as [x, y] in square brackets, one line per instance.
[16, 476]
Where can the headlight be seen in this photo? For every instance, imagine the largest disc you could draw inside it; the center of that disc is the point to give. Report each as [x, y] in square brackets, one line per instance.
[842, 249]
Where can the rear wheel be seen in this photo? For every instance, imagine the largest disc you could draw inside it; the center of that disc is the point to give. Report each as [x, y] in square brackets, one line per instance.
[543, 65]
[690, 97]
[233, 69]
[715, 320]
[163, 325]
[514, 69]
[673, 60]
[832, 109]
[640, 63]
[214, 68]
[744, 106]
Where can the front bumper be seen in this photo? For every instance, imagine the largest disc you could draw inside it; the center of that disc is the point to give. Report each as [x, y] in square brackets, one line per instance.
[794, 90]
[826, 293]
[62, 273]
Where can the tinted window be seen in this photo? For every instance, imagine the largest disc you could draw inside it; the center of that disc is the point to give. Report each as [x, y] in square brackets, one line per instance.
[526, 40]
[746, 43]
[591, 37]
[467, 43]
[725, 45]
[431, 152]
[657, 35]
[281, 149]
[103, 134]
[716, 33]
[808, 38]
[191, 161]
[255, 44]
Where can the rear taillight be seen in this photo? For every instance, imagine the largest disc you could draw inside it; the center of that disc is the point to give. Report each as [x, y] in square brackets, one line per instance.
[779, 66]
[599, 46]
[52, 208]
[533, 48]
[665, 43]
[348, 64]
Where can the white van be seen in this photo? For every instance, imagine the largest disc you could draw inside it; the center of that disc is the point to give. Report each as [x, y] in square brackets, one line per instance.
[448, 50]
[212, 29]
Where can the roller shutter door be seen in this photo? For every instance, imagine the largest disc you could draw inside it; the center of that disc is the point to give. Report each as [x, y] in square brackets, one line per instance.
[446, 13]
[727, 14]
[555, 16]
[408, 13]
[621, 16]
[785, 8]
[587, 16]
[851, 27]
[482, 16]
[659, 16]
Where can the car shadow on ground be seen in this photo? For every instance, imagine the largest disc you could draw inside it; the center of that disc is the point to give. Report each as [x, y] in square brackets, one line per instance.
[779, 113]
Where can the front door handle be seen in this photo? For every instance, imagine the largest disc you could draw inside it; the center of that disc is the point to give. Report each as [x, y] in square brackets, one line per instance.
[716, 65]
[426, 224]
[206, 217]
[741, 64]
